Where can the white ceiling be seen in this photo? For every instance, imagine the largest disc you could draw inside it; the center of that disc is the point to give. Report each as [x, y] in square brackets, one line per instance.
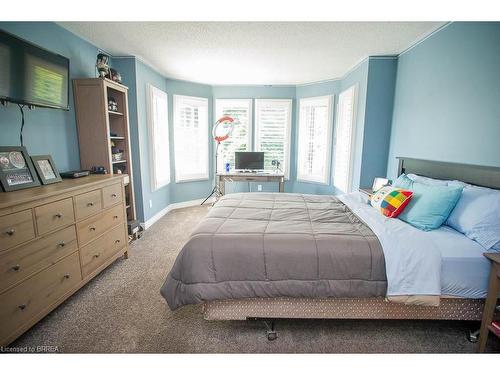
[252, 53]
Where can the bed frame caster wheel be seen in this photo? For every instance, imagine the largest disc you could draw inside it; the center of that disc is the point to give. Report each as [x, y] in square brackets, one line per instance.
[270, 331]
[473, 336]
[271, 336]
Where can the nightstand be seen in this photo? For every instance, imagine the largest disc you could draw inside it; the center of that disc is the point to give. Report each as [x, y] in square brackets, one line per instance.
[491, 300]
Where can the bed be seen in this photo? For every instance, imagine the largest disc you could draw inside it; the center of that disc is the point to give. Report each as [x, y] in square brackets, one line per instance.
[302, 256]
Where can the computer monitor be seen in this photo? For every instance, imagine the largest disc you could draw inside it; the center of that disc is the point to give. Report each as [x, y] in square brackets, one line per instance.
[249, 160]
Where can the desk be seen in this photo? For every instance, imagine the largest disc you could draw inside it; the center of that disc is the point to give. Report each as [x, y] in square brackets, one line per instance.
[222, 178]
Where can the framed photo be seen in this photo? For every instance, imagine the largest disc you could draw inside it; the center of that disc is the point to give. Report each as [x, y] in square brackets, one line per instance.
[46, 169]
[16, 169]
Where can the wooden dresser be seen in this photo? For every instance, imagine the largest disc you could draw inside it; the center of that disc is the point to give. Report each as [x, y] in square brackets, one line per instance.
[53, 240]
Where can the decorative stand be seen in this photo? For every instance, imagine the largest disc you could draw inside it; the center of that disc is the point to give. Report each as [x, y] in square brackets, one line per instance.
[221, 132]
[216, 189]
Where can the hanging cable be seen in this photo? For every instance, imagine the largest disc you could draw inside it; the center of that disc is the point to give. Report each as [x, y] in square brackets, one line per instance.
[22, 124]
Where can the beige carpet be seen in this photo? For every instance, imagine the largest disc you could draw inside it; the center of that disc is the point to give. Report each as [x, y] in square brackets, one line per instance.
[121, 310]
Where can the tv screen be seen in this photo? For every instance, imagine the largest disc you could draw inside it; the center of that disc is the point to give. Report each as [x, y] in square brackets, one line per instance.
[32, 75]
[249, 160]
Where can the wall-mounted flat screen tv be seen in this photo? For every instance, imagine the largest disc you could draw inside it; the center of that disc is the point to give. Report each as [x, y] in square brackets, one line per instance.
[32, 75]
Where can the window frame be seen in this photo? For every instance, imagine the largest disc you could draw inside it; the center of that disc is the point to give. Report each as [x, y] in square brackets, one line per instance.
[354, 89]
[249, 102]
[328, 156]
[156, 184]
[288, 131]
[177, 100]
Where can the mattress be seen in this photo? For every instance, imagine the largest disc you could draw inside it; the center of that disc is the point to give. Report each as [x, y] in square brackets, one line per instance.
[464, 269]
[261, 245]
[441, 262]
[267, 245]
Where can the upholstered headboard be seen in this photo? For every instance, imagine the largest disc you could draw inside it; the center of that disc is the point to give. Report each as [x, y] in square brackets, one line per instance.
[473, 174]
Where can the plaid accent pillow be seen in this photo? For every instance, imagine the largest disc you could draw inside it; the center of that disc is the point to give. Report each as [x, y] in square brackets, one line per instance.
[391, 201]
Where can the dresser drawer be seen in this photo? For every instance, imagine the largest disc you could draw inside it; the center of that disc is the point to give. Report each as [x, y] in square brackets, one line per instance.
[54, 215]
[16, 228]
[23, 261]
[111, 195]
[97, 252]
[23, 302]
[94, 226]
[88, 204]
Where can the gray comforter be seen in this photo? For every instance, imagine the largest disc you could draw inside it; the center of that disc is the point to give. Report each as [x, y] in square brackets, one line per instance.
[277, 245]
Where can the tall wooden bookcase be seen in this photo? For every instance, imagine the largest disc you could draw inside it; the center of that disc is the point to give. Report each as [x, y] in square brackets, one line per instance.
[99, 127]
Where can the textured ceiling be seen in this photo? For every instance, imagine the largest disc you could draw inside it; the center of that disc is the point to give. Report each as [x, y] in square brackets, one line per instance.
[252, 53]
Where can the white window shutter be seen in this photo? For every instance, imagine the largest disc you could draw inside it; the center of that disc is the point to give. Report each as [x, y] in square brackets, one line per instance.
[157, 111]
[191, 138]
[241, 137]
[344, 140]
[272, 131]
[314, 141]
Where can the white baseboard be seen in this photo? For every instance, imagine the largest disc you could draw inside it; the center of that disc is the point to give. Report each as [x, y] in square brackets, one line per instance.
[174, 206]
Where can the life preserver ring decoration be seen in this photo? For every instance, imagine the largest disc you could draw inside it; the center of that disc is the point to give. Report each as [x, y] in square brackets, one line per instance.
[223, 128]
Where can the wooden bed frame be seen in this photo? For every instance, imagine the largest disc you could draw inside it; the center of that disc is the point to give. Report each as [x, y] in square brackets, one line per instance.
[368, 308]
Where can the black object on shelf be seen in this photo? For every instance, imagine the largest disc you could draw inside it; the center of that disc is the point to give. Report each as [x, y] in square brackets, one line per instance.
[98, 170]
[74, 174]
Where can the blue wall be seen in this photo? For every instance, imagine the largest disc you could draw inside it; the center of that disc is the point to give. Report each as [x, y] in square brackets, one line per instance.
[378, 118]
[447, 103]
[49, 131]
[54, 132]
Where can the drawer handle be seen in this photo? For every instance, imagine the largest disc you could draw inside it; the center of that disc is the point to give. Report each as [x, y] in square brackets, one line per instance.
[113, 195]
[97, 255]
[117, 241]
[115, 217]
[17, 267]
[92, 228]
[62, 244]
[11, 231]
[67, 276]
[22, 307]
[90, 204]
[59, 215]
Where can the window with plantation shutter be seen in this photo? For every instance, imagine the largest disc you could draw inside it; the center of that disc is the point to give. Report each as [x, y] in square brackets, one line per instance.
[344, 140]
[190, 138]
[315, 126]
[240, 139]
[158, 134]
[272, 131]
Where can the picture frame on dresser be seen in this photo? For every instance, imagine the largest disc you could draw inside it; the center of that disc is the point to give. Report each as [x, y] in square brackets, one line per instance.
[16, 169]
[46, 169]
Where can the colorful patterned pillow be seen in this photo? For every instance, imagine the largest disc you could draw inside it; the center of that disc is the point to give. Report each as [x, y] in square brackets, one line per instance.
[391, 201]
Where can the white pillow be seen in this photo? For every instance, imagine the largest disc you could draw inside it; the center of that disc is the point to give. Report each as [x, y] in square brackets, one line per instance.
[477, 215]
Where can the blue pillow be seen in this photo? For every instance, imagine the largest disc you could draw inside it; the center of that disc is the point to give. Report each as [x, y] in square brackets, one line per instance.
[430, 205]
[403, 182]
[477, 215]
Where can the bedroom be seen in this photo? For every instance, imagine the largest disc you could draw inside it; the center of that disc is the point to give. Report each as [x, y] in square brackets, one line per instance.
[236, 169]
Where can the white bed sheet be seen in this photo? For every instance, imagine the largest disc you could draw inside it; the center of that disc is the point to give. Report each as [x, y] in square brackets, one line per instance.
[438, 262]
[464, 269]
